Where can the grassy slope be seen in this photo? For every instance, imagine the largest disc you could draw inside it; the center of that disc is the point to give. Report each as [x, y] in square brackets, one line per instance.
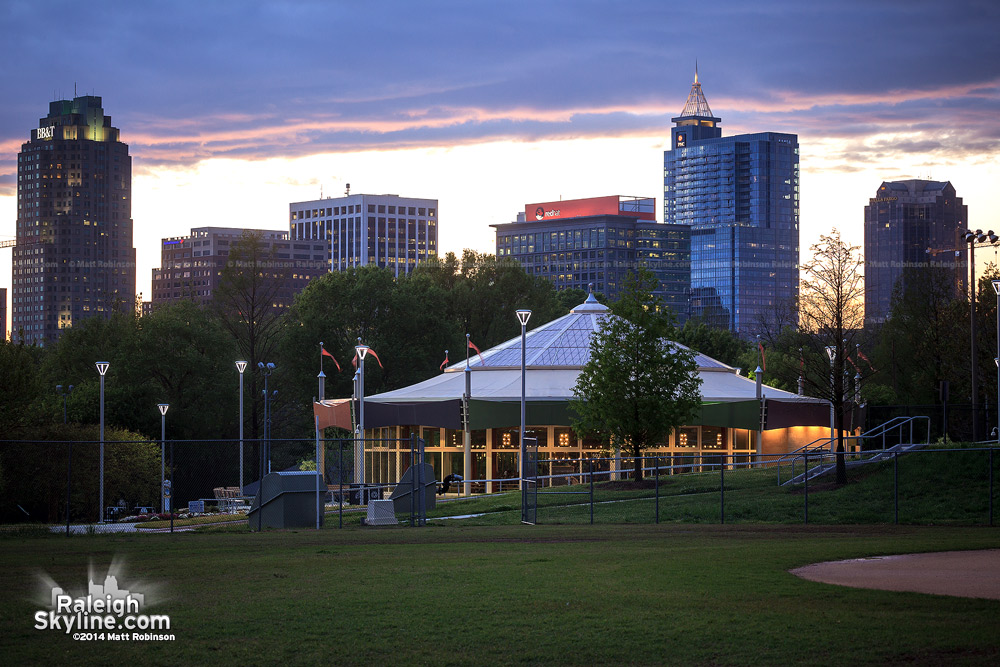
[935, 487]
[675, 594]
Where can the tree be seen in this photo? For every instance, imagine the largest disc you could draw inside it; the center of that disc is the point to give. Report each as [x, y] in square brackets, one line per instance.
[720, 344]
[488, 292]
[180, 355]
[925, 338]
[637, 386]
[405, 320]
[20, 390]
[245, 302]
[832, 312]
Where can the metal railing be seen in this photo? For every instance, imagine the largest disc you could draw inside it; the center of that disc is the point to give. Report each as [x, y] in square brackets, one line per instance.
[817, 460]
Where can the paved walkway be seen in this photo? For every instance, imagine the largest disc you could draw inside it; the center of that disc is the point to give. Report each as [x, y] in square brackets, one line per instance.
[973, 574]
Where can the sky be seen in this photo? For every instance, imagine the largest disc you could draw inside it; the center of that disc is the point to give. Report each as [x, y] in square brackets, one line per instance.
[234, 109]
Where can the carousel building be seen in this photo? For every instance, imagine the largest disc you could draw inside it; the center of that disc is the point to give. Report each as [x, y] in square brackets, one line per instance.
[469, 415]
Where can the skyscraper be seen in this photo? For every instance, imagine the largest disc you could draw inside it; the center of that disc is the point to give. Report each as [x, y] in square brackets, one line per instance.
[740, 197]
[74, 257]
[910, 225]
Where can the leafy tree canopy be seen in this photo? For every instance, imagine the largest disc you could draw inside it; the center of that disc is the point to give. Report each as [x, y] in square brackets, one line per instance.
[638, 386]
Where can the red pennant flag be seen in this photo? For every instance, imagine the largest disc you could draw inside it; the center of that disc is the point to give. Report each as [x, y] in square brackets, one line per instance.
[354, 361]
[854, 364]
[445, 362]
[862, 355]
[763, 359]
[332, 357]
[473, 346]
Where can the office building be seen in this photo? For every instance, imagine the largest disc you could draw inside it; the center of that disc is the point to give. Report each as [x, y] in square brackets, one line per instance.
[739, 196]
[599, 240]
[385, 230]
[909, 226]
[191, 266]
[74, 257]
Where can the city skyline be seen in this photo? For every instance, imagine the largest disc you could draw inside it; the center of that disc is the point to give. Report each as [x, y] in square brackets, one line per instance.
[234, 110]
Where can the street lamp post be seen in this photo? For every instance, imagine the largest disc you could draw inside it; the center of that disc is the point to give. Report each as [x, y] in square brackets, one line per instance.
[265, 447]
[359, 448]
[996, 288]
[102, 368]
[972, 238]
[163, 453]
[241, 366]
[69, 461]
[831, 351]
[522, 317]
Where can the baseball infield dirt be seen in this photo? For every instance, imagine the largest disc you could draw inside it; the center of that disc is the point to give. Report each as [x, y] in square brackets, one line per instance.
[974, 574]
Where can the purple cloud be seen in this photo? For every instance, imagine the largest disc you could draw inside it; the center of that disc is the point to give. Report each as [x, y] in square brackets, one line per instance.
[191, 80]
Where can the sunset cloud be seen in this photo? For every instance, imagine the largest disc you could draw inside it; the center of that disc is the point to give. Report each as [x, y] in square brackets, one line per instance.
[874, 89]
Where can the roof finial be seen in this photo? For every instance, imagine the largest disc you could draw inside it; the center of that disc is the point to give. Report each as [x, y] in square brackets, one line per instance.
[590, 287]
[696, 105]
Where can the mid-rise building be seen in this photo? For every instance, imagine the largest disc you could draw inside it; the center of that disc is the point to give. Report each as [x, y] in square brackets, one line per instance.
[385, 230]
[739, 196]
[598, 241]
[911, 225]
[74, 256]
[191, 266]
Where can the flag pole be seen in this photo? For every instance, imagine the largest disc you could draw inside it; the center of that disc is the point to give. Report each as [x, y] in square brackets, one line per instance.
[466, 431]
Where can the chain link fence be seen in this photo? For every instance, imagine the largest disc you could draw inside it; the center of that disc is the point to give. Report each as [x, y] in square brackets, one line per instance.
[131, 486]
[59, 485]
[923, 486]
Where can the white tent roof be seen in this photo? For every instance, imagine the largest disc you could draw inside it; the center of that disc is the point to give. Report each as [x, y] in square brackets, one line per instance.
[555, 355]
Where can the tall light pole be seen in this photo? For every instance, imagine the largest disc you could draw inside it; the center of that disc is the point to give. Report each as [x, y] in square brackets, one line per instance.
[102, 368]
[359, 448]
[163, 453]
[972, 238]
[831, 351]
[522, 317]
[241, 366]
[996, 288]
[69, 461]
[758, 375]
[265, 448]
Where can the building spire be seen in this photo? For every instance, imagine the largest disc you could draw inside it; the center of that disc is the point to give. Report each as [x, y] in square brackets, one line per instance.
[696, 105]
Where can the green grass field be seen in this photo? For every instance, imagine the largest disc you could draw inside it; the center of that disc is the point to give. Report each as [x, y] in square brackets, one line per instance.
[455, 594]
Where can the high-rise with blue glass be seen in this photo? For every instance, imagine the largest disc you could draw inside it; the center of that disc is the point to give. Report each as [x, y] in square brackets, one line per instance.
[740, 197]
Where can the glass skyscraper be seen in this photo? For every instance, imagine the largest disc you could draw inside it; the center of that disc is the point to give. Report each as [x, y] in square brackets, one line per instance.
[74, 257]
[910, 227]
[740, 197]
